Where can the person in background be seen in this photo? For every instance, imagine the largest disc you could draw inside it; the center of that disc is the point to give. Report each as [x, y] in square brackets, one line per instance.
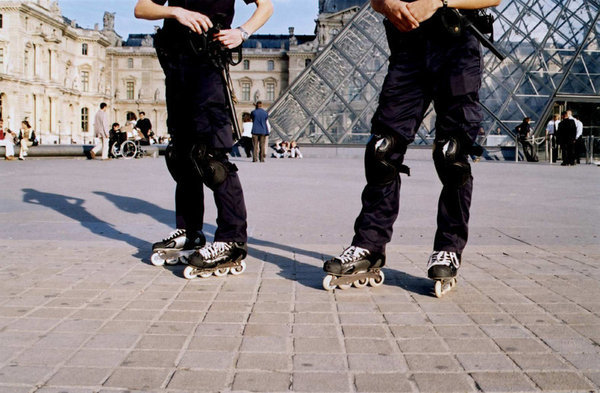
[7, 140]
[260, 132]
[246, 141]
[567, 130]
[145, 127]
[580, 149]
[295, 150]
[551, 131]
[26, 137]
[101, 129]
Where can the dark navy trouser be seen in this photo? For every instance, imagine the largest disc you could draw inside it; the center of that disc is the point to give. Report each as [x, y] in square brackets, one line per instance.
[425, 68]
[197, 115]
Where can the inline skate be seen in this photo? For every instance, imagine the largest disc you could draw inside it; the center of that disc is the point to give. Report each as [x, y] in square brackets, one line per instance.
[176, 248]
[355, 266]
[443, 268]
[218, 258]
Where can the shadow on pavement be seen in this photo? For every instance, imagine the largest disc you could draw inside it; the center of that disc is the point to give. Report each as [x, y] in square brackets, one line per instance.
[72, 207]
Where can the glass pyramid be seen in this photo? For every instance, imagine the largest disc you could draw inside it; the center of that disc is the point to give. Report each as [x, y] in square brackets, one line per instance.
[553, 54]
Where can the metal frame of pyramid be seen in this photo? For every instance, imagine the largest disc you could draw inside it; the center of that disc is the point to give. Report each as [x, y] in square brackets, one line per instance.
[553, 49]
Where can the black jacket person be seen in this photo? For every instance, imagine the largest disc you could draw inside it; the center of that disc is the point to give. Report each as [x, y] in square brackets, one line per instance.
[198, 120]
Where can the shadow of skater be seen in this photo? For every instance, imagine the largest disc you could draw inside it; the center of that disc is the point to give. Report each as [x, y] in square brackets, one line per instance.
[72, 207]
[140, 206]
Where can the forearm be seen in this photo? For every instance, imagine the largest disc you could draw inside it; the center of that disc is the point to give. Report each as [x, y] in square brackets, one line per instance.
[147, 9]
[472, 4]
[264, 10]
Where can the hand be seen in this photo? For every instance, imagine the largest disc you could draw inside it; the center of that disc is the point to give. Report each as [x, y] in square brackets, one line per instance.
[399, 14]
[424, 9]
[196, 21]
[231, 38]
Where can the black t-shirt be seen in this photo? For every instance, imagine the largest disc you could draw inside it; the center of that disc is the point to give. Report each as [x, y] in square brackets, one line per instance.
[209, 8]
[144, 125]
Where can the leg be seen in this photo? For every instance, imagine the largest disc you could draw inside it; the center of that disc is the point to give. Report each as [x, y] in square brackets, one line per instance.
[256, 147]
[402, 105]
[104, 148]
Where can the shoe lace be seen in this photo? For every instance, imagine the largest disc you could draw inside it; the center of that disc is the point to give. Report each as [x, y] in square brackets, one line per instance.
[176, 233]
[352, 253]
[214, 249]
[445, 258]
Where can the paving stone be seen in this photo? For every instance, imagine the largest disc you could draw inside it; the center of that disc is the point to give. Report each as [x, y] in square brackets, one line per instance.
[264, 361]
[394, 382]
[486, 362]
[432, 363]
[319, 362]
[317, 345]
[266, 344]
[42, 357]
[538, 362]
[112, 341]
[207, 360]
[79, 376]
[321, 382]
[367, 345]
[560, 380]
[503, 382]
[215, 343]
[423, 345]
[30, 375]
[150, 358]
[262, 381]
[377, 363]
[137, 378]
[199, 380]
[443, 382]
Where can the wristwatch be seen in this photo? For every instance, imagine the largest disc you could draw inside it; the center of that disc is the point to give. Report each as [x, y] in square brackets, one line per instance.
[245, 34]
[445, 3]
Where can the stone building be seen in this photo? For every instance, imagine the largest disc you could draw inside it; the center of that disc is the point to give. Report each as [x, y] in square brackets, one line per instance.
[54, 73]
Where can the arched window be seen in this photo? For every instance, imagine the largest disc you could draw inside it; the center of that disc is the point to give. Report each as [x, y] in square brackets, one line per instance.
[270, 65]
[246, 65]
[85, 119]
[131, 116]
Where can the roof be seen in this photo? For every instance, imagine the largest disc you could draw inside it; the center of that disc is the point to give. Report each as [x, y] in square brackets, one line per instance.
[332, 6]
[267, 41]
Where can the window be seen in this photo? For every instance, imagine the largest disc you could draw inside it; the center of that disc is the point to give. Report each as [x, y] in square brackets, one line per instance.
[1, 59]
[270, 65]
[85, 119]
[1, 20]
[130, 63]
[246, 91]
[307, 62]
[84, 49]
[270, 91]
[26, 62]
[85, 81]
[130, 90]
[246, 65]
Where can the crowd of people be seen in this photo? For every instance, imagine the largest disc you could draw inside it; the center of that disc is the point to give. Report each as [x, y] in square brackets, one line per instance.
[566, 132]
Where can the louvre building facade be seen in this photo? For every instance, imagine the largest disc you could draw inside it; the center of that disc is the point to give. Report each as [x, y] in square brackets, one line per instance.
[552, 64]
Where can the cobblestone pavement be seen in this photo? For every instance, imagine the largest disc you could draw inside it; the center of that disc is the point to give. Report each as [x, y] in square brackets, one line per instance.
[83, 310]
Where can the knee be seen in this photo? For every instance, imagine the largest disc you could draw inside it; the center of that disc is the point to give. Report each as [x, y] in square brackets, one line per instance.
[384, 157]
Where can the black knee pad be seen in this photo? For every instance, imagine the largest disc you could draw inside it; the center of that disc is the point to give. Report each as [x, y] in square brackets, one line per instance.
[450, 159]
[383, 159]
[214, 167]
[180, 165]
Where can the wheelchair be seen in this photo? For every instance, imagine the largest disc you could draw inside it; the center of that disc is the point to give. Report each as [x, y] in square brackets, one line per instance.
[127, 145]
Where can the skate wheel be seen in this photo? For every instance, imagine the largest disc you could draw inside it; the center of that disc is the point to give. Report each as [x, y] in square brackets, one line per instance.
[238, 269]
[375, 282]
[344, 286]
[438, 289]
[361, 283]
[221, 272]
[190, 272]
[172, 261]
[327, 283]
[205, 274]
[156, 259]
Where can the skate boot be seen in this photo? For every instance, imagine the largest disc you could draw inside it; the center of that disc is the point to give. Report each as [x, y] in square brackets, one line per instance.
[176, 248]
[356, 266]
[443, 268]
[218, 258]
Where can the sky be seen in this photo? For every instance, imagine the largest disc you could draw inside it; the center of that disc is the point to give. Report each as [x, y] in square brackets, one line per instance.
[89, 12]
